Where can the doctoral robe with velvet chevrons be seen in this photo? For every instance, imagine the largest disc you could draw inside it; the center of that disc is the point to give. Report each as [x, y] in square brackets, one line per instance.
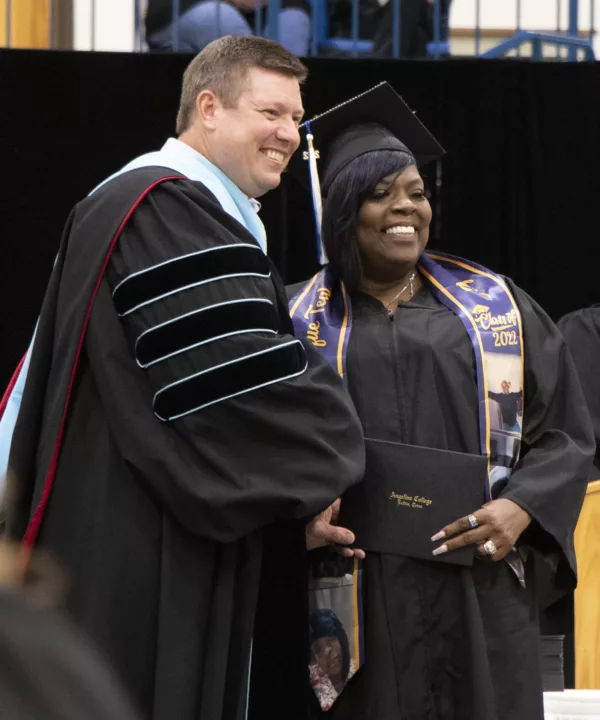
[172, 441]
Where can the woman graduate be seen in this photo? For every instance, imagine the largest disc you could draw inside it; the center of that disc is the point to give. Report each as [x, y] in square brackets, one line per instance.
[457, 507]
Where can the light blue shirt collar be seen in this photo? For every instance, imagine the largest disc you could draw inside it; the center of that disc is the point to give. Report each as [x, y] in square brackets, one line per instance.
[182, 158]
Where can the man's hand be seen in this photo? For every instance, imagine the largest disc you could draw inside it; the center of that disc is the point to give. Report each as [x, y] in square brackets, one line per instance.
[322, 530]
[501, 521]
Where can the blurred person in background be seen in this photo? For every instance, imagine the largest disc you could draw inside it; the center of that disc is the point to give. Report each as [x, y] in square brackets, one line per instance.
[48, 670]
[202, 22]
[581, 330]
[416, 27]
[376, 21]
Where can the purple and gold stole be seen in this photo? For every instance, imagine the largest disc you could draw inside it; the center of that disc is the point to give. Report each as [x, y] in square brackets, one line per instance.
[322, 313]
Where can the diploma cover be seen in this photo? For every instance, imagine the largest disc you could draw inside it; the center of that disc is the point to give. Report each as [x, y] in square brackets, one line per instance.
[410, 493]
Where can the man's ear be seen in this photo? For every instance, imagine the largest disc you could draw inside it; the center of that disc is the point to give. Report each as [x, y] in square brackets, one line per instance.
[207, 107]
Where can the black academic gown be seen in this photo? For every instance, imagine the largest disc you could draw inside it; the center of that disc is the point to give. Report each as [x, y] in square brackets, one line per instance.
[444, 642]
[581, 330]
[184, 538]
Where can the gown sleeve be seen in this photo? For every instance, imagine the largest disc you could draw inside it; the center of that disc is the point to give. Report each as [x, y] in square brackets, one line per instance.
[581, 330]
[550, 479]
[257, 427]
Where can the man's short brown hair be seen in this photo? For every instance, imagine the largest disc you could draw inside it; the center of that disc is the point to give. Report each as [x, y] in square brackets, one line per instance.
[222, 67]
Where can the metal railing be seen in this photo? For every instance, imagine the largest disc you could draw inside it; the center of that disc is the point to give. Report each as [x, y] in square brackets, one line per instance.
[577, 47]
[564, 44]
[354, 44]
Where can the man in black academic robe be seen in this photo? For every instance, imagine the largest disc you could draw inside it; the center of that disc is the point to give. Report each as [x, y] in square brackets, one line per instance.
[581, 330]
[174, 437]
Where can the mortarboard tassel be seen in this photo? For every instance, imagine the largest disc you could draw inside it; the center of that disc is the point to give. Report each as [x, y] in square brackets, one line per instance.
[315, 187]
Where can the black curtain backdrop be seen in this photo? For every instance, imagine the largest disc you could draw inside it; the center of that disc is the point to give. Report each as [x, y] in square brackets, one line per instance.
[519, 186]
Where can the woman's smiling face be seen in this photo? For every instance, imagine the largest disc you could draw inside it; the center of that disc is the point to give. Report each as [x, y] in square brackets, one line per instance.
[393, 225]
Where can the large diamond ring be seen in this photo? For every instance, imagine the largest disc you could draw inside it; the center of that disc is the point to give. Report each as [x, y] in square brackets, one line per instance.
[472, 521]
[490, 547]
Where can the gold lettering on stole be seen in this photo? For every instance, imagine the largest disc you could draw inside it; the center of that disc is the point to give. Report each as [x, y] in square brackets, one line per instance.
[487, 321]
[467, 285]
[312, 334]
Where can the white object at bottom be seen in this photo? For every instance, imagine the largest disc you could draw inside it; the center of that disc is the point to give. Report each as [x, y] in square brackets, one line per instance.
[572, 705]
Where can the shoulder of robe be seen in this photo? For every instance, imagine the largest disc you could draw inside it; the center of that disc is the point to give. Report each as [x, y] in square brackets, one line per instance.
[126, 190]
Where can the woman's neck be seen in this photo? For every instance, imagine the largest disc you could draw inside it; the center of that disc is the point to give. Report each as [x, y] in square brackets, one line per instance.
[390, 292]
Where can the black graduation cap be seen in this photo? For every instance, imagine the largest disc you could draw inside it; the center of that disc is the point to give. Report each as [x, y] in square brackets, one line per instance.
[377, 119]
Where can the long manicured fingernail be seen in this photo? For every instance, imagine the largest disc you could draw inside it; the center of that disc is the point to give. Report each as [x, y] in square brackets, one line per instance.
[438, 536]
[441, 549]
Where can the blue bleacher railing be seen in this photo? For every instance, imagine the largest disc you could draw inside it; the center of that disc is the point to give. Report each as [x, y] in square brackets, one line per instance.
[322, 40]
[518, 24]
[273, 10]
[257, 21]
[440, 46]
[568, 44]
[558, 49]
[576, 45]
[396, 28]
